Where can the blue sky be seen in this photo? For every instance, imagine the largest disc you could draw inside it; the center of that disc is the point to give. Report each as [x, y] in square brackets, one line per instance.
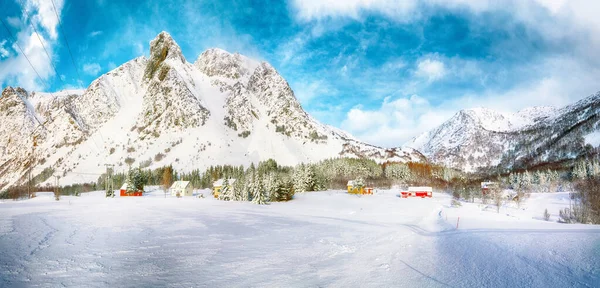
[382, 70]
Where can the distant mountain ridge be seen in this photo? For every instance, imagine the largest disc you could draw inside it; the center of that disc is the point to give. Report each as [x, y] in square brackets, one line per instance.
[482, 140]
[222, 109]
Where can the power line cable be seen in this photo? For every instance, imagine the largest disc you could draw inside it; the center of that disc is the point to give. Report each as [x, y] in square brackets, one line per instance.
[72, 58]
[30, 64]
[36, 72]
[66, 41]
[42, 42]
[22, 52]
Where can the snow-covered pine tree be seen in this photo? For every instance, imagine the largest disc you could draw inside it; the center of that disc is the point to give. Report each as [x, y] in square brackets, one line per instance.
[526, 181]
[553, 180]
[359, 183]
[226, 190]
[595, 169]
[310, 178]
[250, 184]
[259, 196]
[580, 170]
[299, 179]
[512, 180]
[129, 181]
[542, 181]
[238, 188]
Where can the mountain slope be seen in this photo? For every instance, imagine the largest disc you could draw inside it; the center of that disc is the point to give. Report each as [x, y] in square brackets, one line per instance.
[482, 139]
[223, 109]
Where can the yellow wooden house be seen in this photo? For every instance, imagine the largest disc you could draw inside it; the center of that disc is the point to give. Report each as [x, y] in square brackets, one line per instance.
[356, 187]
[218, 186]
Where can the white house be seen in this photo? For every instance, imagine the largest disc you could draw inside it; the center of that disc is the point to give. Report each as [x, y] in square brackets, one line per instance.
[183, 188]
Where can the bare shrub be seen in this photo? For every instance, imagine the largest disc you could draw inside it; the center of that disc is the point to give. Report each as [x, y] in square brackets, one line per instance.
[586, 199]
[129, 161]
[546, 215]
[159, 157]
[146, 163]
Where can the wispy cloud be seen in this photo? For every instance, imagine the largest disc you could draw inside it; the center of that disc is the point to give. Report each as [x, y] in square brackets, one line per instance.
[44, 19]
[431, 69]
[3, 52]
[92, 68]
[95, 33]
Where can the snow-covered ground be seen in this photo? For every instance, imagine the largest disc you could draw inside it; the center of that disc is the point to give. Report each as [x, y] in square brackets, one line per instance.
[319, 239]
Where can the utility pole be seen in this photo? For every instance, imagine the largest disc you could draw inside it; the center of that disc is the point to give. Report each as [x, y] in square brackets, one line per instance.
[32, 158]
[108, 181]
[56, 187]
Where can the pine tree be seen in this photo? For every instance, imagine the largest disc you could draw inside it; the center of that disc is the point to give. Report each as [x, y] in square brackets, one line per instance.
[543, 181]
[226, 190]
[259, 196]
[309, 178]
[580, 170]
[129, 181]
[238, 188]
[526, 181]
[595, 169]
[299, 179]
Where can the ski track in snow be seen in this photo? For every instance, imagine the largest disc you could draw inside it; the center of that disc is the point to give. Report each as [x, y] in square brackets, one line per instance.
[319, 239]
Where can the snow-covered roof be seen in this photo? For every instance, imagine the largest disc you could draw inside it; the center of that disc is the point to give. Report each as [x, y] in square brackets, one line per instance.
[219, 182]
[421, 189]
[485, 185]
[124, 186]
[180, 184]
[351, 183]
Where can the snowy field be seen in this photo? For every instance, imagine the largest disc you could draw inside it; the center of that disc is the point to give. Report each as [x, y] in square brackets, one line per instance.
[319, 239]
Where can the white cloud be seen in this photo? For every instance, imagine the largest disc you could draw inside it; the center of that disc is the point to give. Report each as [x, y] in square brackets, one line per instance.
[394, 122]
[306, 90]
[431, 69]
[14, 22]
[3, 52]
[95, 33]
[92, 68]
[317, 9]
[44, 19]
[46, 16]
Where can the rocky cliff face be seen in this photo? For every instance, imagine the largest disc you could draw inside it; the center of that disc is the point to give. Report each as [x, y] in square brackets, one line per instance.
[223, 109]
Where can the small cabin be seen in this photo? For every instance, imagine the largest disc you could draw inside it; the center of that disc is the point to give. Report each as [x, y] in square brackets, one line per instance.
[181, 188]
[417, 192]
[218, 186]
[123, 191]
[486, 186]
[350, 186]
[355, 188]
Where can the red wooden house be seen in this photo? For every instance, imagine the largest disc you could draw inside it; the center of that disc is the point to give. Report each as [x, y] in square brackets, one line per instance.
[123, 191]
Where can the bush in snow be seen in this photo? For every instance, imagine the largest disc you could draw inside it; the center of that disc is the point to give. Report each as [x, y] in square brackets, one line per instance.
[565, 216]
[546, 215]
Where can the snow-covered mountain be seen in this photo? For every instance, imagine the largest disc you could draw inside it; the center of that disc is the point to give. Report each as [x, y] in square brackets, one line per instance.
[222, 109]
[483, 139]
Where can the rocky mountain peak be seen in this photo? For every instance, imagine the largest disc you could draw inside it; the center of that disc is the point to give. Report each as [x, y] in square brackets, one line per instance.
[14, 91]
[162, 48]
[218, 62]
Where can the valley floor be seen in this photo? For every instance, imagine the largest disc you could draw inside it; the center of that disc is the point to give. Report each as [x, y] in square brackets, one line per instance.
[319, 239]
